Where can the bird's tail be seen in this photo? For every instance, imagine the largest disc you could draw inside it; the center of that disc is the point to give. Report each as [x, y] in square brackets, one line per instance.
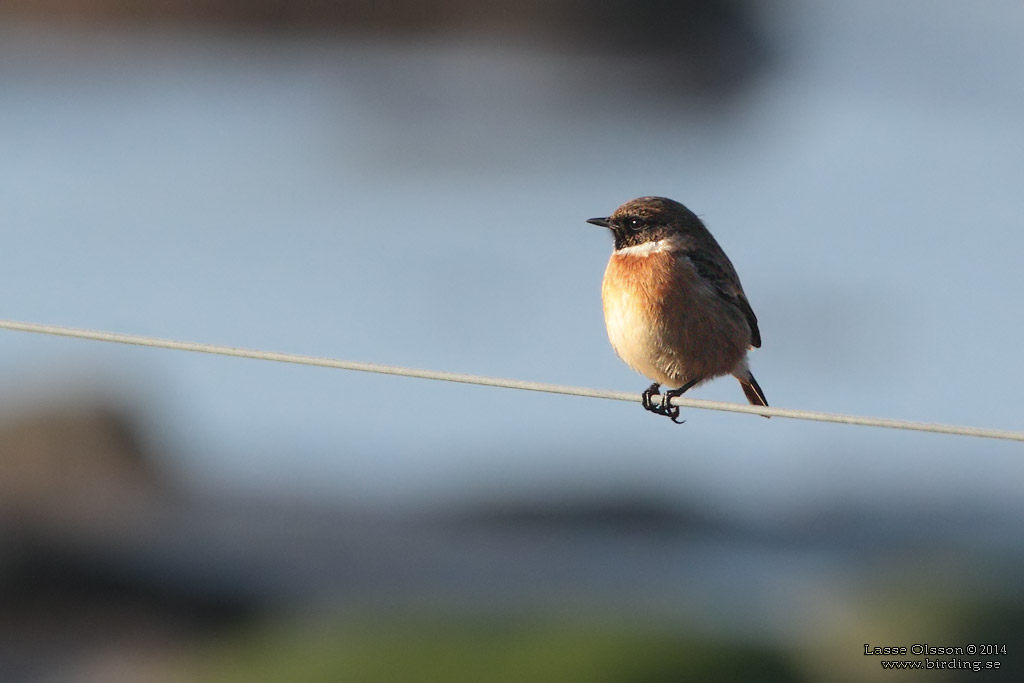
[753, 390]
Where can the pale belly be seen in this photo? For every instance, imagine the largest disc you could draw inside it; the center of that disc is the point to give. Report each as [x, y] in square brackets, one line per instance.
[640, 341]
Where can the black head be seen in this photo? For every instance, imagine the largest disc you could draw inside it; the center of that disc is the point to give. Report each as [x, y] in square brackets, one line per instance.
[649, 219]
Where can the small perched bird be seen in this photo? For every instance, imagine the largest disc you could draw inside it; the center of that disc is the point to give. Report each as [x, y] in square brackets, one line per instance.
[673, 303]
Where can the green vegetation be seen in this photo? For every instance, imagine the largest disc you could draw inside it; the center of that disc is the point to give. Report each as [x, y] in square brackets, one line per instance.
[475, 650]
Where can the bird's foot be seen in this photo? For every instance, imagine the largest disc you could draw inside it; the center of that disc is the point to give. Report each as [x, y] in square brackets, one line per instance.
[663, 407]
[646, 397]
[671, 411]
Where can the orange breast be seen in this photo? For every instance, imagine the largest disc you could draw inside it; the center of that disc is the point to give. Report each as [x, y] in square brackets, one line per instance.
[666, 323]
[634, 292]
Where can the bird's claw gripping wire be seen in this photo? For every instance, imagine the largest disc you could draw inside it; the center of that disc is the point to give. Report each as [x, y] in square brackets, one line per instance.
[663, 407]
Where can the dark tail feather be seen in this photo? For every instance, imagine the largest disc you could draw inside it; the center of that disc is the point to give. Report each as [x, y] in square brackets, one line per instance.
[753, 391]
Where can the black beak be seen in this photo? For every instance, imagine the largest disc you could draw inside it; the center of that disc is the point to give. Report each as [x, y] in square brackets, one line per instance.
[603, 222]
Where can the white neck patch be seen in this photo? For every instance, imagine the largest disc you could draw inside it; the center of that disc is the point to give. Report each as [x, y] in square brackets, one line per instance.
[645, 249]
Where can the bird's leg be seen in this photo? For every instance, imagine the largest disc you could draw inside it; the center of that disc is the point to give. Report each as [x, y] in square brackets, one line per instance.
[667, 409]
[646, 401]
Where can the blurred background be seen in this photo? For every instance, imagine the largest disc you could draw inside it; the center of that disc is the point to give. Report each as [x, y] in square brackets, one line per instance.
[407, 183]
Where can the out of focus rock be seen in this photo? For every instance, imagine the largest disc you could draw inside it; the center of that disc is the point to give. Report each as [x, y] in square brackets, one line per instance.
[73, 467]
[703, 47]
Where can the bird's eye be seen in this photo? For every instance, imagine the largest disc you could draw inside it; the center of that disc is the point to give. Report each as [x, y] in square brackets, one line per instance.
[635, 223]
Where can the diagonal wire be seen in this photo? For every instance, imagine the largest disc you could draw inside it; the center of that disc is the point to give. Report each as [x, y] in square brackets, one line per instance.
[195, 347]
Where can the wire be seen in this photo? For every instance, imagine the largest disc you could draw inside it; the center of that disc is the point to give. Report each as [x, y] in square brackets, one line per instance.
[524, 385]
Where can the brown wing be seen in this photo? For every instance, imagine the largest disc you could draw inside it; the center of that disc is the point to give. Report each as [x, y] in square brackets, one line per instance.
[748, 312]
[720, 274]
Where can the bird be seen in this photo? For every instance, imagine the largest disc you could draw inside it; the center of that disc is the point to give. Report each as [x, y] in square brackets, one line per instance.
[673, 304]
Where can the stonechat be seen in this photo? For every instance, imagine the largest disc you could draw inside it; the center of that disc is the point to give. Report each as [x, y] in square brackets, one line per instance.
[673, 304]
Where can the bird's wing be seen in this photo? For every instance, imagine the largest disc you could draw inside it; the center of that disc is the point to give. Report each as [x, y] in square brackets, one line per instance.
[720, 274]
[748, 312]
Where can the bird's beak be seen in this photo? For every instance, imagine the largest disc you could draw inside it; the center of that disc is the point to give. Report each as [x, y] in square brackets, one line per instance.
[603, 222]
